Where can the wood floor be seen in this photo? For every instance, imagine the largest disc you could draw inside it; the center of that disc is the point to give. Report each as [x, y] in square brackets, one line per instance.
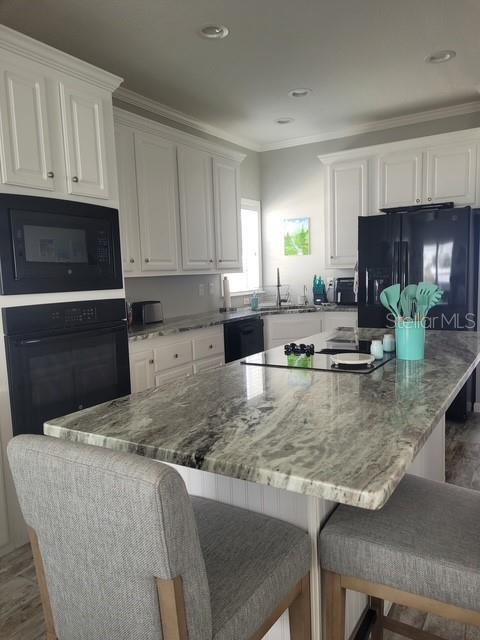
[20, 609]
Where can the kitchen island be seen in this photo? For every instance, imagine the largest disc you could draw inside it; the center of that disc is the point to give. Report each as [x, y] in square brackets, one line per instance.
[292, 443]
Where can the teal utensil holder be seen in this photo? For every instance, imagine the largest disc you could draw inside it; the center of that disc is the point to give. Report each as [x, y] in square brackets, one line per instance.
[410, 340]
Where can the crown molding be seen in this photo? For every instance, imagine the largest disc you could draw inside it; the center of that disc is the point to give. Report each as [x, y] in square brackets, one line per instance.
[420, 143]
[19, 44]
[135, 99]
[141, 123]
[379, 125]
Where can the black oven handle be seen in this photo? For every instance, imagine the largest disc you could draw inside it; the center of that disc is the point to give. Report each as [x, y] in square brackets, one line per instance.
[99, 329]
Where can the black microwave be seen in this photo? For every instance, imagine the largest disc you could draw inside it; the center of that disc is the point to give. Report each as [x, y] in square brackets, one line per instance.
[49, 245]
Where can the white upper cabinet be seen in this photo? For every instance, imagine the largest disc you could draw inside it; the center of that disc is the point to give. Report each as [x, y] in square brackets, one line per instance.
[399, 179]
[26, 144]
[183, 193]
[228, 236]
[83, 132]
[347, 199]
[195, 186]
[56, 123]
[157, 202]
[128, 201]
[451, 173]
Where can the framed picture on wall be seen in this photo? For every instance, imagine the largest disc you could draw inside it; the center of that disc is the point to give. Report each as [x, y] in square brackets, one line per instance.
[296, 236]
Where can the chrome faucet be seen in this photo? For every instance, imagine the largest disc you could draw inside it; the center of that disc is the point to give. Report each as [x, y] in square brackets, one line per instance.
[280, 300]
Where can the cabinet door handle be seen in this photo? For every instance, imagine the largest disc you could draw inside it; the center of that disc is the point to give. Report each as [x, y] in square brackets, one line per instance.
[132, 260]
[50, 174]
[175, 355]
[417, 200]
[429, 199]
[220, 260]
[74, 179]
[147, 259]
[210, 346]
[210, 261]
[151, 361]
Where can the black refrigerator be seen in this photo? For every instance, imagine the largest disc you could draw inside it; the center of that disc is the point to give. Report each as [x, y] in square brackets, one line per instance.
[433, 245]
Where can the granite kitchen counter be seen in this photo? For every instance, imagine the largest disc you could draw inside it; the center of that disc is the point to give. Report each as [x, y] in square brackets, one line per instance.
[339, 436]
[214, 318]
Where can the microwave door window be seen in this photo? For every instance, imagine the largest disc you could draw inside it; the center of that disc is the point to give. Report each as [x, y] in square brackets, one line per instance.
[55, 244]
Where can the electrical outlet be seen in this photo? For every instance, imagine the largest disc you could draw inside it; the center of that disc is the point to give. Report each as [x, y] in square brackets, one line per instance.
[201, 289]
[246, 300]
[211, 288]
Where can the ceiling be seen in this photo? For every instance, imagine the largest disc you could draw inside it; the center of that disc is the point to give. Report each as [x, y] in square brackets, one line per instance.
[363, 59]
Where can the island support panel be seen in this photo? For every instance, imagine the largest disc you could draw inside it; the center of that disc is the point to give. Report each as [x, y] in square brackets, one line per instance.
[309, 513]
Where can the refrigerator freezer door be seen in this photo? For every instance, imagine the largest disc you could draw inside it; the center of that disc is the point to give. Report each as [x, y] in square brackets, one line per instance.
[437, 249]
[379, 252]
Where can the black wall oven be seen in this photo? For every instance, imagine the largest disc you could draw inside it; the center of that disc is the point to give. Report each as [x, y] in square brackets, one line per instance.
[49, 245]
[64, 357]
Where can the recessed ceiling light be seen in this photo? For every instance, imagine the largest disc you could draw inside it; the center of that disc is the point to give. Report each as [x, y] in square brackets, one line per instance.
[214, 31]
[284, 120]
[440, 56]
[299, 93]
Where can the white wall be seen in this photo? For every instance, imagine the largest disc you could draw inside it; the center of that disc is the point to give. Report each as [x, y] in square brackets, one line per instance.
[179, 295]
[292, 186]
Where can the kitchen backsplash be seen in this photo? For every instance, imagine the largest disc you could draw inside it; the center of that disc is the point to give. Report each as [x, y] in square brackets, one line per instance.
[180, 295]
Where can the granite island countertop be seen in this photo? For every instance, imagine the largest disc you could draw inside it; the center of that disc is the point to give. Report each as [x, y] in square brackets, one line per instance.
[339, 436]
[215, 318]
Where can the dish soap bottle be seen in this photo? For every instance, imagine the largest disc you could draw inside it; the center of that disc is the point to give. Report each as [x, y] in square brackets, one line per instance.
[254, 301]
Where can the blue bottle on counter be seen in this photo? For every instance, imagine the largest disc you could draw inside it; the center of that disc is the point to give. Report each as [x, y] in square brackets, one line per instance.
[254, 301]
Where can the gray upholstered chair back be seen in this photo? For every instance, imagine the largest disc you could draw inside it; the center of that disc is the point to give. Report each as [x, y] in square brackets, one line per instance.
[107, 524]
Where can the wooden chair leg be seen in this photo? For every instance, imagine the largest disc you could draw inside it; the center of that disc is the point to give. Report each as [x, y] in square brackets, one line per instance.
[377, 630]
[42, 585]
[299, 613]
[334, 606]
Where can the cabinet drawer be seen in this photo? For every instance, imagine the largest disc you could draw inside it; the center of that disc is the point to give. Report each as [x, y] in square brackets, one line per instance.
[210, 345]
[209, 363]
[177, 373]
[172, 355]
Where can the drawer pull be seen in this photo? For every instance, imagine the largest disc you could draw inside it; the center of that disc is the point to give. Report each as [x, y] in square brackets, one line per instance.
[75, 179]
[176, 355]
[50, 174]
[210, 346]
[151, 361]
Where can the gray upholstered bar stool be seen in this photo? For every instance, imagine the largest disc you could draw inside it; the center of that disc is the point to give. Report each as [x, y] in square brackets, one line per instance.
[123, 553]
[421, 550]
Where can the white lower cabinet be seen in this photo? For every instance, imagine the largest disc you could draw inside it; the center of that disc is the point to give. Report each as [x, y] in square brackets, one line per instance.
[332, 320]
[290, 327]
[141, 370]
[174, 357]
[177, 373]
[294, 327]
[209, 363]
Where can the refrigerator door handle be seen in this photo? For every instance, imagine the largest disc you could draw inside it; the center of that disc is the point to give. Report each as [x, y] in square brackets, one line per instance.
[396, 263]
[366, 286]
[404, 265]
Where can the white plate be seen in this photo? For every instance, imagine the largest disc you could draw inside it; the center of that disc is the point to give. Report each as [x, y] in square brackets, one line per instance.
[352, 359]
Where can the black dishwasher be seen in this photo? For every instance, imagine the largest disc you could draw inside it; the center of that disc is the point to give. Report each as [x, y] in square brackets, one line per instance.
[243, 338]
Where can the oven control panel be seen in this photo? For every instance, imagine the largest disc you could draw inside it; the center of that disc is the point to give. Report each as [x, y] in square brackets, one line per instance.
[74, 315]
[62, 315]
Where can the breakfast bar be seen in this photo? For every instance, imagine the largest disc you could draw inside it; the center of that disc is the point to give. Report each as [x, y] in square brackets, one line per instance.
[292, 443]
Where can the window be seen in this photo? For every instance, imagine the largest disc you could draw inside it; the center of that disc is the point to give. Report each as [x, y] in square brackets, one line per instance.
[251, 277]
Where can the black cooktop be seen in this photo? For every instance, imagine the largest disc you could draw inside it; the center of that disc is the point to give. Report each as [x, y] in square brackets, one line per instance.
[318, 361]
